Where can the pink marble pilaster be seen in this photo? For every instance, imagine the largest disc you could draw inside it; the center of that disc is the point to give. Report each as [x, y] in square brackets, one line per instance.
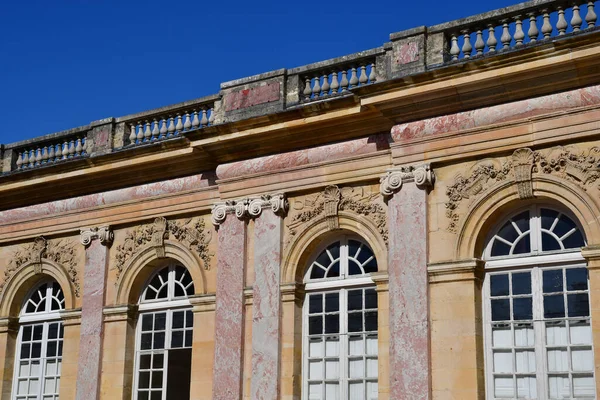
[92, 327]
[229, 312]
[408, 293]
[266, 307]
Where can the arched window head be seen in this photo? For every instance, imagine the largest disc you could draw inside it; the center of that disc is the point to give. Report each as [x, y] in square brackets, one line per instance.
[535, 230]
[45, 298]
[170, 283]
[343, 258]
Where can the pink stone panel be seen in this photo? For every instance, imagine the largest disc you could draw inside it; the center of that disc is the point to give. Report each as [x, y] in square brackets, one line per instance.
[281, 161]
[229, 313]
[251, 97]
[105, 198]
[90, 347]
[407, 53]
[266, 307]
[408, 291]
[497, 114]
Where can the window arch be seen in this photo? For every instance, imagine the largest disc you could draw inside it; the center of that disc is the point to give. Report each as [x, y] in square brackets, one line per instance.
[164, 336]
[340, 322]
[536, 309]
[39, 344]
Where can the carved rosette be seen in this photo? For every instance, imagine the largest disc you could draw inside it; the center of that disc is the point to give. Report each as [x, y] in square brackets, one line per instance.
[192, 233]
[32, 255]
[334, 199]
[392, 182]
[250, 207]
[102, 233]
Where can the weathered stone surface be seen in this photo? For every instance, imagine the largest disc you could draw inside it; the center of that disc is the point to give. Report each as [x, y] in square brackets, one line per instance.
[252, 96]
[407, 53]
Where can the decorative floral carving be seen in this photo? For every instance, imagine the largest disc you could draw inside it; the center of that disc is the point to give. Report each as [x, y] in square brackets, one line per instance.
[332, 200]
[190, 232]
[482, 175]
[581, 167]
[61, 251]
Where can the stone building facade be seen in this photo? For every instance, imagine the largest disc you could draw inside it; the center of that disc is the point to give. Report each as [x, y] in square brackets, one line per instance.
[415, 221]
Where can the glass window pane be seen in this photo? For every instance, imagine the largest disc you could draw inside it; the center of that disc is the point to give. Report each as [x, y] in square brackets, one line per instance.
[356, 391]
[145, 361]
[371, 321]
[315, 325]
[525, 361]
[317, 272]
[160, 320]
[157, 360]
[523, 245]
[147, 322]
[178, 318]
[582, 360]
[356, 346]
[315, 347]
[332, 369]
[355, 300]
[36, 350]
[578, 305]
[554, 306]
[524, 335]
[553, 281]
[549, 242]
[503, 362]
[53, 331]
[37, 332]
[144, 380]
[577, 278]
[500, 249]
[508, 232]
[355, 322]
[521, 283]
[332, 391]
[574, 240]
[51, 349]
[332, 323]
[354, 268]
[548, 217]
[559, 387]
[159, 340]
[332, 347]
[334, 270]
[556, 333]
[157, 377]
[500, 310]
[27, 330]
[563, 226]
[370, 298]
[189, 319]
[315, 303]
[356, 368]
[177, 339]
[501, 336]
[581, 332]
[504, 387]
[332, 302]
[315, 369]
[522, 308]
[522, 221]
[499, 285]
[583, 386]
[558, 360]
[526, 387]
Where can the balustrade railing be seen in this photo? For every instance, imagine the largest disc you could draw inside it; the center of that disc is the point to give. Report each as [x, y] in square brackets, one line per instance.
[524, 24]
[338, 77]
[152, 127]
[38, 154]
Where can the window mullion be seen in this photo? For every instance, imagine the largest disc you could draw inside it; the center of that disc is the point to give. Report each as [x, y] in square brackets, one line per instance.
[538, 329]
[42, 376]
[343, 353]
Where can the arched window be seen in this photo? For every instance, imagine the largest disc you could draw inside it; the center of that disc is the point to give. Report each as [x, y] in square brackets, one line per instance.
[537, 316]
[340, 323]
[39, 344]
[164, 336]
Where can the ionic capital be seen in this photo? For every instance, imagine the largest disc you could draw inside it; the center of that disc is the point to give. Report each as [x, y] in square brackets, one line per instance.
[103, 233]
[249, 207]
[392, 182]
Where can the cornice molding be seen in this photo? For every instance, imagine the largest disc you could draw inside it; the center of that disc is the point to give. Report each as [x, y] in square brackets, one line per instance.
[422, 175]
[250, 207]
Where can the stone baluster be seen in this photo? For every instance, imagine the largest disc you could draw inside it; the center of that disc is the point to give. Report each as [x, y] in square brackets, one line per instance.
[533, 31]
[171, 128]
[454, 49]
[155, 130]
[179, 125]
[147, 131]
[467, 47]
[505, 38]
[78, 147]
[307, 89]
[363, 75]
[195, 120]
[140, 134]
[65, 150]
[576, 21]
[492, 42]
[132, 135]
[406, 190]
[31, 158]
[204, 120]
[38, 156]
[211, 118]
[590, 17]
[72, 149]
[372, 74]
[163, 128]
[187, 122]
[519, 35]
[325, 88]
[51, 155]
[335, 85]
[19, 160]
[344, 82]
[561, 24]
[316, 90]
[83, 145]
[45, 155]
[546, 26]
[479, 43]
[353, 77]
[25, 163]
[96, 241]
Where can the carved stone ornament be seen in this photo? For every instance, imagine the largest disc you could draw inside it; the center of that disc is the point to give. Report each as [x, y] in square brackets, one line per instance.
[61, 251]
[191, 232]
[331, 201]
[392, 182]
[103, 233]
[581, 167]
[249, 207]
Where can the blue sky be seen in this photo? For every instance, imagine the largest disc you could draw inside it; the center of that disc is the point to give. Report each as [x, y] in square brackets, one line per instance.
[66, 63]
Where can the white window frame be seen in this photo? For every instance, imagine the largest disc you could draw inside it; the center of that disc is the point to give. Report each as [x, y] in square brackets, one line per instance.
[43, 318]
[535, 262]
[340, 285]
[168, 306]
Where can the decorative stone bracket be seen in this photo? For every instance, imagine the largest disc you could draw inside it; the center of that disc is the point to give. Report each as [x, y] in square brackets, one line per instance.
[103, 233]
[422, 176]
[249, 207]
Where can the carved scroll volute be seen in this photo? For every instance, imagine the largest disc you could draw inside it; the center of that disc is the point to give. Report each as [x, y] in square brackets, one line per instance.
[38, 251]
[522, 160]
[332, 197]
[159, 235]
